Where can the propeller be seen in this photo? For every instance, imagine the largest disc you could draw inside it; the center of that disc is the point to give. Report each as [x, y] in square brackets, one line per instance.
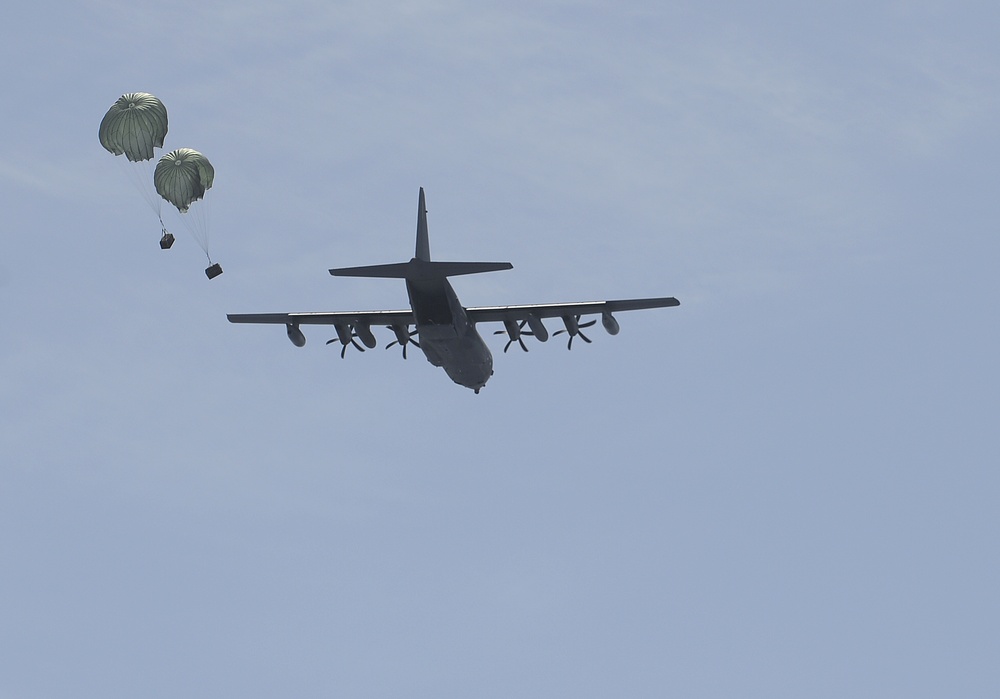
[345, 336]
[343, 351]
[573, 326]
[514, 332]
[403, 337]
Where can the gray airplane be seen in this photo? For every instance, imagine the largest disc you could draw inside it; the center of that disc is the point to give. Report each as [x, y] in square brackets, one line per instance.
[447, 330]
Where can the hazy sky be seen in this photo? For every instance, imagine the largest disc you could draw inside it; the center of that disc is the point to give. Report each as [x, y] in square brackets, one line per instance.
[786, 487]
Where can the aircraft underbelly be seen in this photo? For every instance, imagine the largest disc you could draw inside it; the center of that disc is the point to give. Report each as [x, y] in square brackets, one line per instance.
[465, 358]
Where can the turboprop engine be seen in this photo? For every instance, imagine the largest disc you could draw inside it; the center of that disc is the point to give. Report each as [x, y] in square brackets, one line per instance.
[404, 336]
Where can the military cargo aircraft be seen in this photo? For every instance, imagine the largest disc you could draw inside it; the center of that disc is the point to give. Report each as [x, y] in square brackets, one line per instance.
[445, 330]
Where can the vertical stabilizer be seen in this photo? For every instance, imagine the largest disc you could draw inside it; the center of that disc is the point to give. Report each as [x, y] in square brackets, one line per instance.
[423, 251]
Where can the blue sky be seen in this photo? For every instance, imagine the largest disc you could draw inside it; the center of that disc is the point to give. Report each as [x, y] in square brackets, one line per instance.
[787, 486]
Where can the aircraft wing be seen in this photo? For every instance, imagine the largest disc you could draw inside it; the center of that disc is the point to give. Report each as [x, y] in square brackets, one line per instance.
[485, 314]
[338, 318]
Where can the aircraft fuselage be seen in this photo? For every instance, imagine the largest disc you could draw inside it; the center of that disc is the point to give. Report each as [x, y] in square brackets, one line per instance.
[447, 338]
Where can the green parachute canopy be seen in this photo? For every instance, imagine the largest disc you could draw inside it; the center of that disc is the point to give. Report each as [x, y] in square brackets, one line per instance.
[135, 125]
[182, 176]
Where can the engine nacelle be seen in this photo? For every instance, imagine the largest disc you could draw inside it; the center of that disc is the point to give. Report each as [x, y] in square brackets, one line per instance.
[364, 333]
[402, 333]
[610, 324]
[512, 328]
[538, 328]
[295, 335]
[343, 333]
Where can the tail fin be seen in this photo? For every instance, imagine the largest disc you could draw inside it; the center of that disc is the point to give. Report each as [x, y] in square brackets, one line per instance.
[421, 267]
[423, 249]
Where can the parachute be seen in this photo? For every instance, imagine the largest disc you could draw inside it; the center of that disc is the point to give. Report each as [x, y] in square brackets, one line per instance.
[182, 177]
[134, 126]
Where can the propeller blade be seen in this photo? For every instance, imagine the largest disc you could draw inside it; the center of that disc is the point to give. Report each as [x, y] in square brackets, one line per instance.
[576, 331]
[404, 344]
[343, 350]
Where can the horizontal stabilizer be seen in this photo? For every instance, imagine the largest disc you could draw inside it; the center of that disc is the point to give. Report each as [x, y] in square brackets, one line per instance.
[421, 269]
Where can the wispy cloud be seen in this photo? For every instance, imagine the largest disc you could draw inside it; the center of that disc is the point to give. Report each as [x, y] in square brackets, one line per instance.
[24, 176]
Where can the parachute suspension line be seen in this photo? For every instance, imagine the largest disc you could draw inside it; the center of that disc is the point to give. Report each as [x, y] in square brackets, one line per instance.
[203, 212]
[197, 222]
[140, 173]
